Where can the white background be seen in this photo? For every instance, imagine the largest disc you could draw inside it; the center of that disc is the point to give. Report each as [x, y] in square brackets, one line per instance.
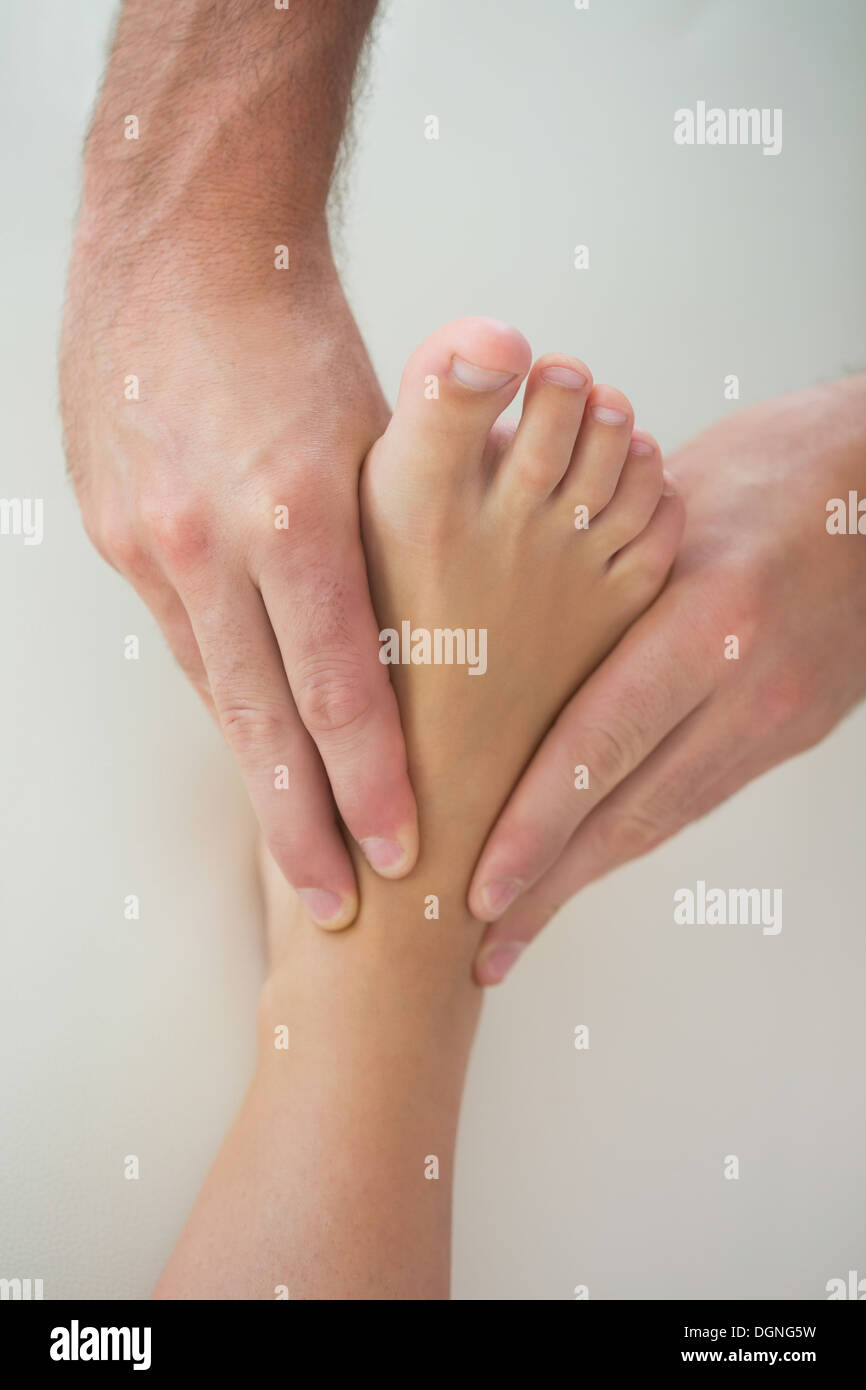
[603, 1167]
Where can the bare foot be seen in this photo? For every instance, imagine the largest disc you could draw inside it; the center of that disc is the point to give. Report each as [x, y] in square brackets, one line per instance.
[540, 545]
[337, 1176]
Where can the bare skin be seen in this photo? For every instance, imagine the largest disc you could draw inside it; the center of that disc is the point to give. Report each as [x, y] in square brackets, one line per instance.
[256, 391]
[670, 727]
[335, 1181]
[204, 387]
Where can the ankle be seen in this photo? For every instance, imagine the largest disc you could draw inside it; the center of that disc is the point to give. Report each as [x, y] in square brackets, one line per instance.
[391, 996]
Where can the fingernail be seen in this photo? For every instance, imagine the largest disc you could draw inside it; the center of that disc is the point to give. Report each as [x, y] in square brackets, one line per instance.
[498, 896]
[326, 909]
[669, 489]
[384, 855]
[478, 378]
[640, 446]
[495, 963]
[564, 376]
[606, 416]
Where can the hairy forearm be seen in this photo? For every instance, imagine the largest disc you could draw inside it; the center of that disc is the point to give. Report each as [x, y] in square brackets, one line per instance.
[239, 110]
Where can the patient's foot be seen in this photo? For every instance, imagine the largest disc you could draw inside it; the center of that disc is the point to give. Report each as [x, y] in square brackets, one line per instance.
[468, 524]
[544, 542]
[338, 1172]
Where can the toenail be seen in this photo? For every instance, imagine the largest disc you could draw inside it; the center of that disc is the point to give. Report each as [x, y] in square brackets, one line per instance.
[479, 378]
[639, 446]
[498, 896]
[495, 963]
[670, 487]
[324, 908]
[606, 416]
[564, 376]
[383, 854]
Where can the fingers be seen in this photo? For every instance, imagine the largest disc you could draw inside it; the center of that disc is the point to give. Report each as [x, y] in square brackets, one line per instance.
[657, 675]
[128, 553]
[323, 619]
[277, 758]
[166, 606]
[286, 654]
[230, 658]
[698, 766]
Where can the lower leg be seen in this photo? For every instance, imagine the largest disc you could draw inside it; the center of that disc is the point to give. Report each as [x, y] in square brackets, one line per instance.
[335, 1180]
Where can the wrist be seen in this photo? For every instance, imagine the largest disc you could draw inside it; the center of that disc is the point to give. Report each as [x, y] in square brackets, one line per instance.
[167, 261]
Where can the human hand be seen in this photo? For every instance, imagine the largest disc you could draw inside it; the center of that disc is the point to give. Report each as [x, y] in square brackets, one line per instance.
[668, 726]
[215, 441]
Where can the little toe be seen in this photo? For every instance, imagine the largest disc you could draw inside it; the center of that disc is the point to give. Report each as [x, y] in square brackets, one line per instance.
[644, 563]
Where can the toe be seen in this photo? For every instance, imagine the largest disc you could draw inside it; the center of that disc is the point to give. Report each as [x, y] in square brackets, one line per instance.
[644, 563]
[541, 450]
[454, 387]
[601, 449]
[636, 497]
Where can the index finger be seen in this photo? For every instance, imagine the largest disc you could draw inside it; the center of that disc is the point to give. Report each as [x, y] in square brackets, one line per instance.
[317, 597]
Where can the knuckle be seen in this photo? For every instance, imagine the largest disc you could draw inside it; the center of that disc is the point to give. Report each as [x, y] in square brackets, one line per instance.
[634, 832]
[330, 694]
[178, 528]
[250, 728]
[785, 699]
[114, 537]
[274, 523]
[615, 748]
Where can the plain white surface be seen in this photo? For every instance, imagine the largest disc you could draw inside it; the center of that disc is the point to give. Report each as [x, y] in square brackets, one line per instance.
[603, 1167]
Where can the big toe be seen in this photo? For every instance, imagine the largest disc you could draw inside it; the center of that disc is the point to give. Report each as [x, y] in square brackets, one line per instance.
[454, 387]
